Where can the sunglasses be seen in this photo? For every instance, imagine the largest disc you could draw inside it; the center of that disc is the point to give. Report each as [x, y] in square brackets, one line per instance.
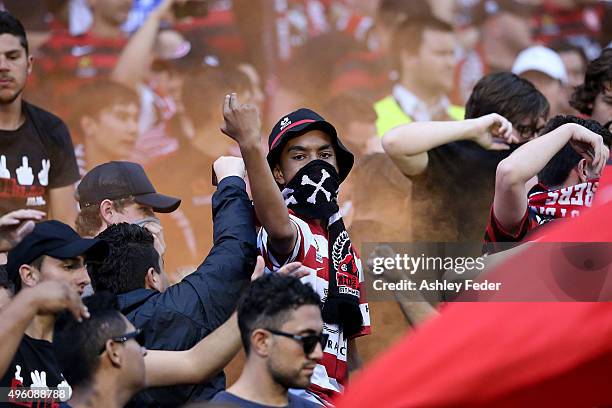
[309, 341]
[136, 335]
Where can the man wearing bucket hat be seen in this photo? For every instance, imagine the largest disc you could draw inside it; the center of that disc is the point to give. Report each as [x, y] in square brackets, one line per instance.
[295, 195]
[52, 253]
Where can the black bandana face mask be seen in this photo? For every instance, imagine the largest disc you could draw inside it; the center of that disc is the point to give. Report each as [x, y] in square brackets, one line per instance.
[313, 191]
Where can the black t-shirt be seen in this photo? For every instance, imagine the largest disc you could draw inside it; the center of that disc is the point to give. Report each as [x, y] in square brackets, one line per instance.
[36, 157]
[33, 364]
[453, 197]
[232, 400]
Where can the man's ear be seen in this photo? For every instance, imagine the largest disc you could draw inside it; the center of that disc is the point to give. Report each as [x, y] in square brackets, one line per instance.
[153, 280]
[107, 212]
[261, 342]
[29, 275]
[582, 170]
[278, 175]
[114, 353]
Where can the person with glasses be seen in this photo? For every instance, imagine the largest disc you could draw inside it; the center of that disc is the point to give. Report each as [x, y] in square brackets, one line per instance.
[105, 361]
[282, 334]
[452, 164]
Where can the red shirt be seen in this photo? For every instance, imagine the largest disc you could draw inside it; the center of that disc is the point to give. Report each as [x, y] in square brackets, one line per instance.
[311, 249]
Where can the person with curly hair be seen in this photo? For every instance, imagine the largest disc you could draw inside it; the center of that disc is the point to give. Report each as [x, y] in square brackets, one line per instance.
[594, 96]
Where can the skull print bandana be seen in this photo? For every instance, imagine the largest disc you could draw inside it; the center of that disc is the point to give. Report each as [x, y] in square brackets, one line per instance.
[313, 193]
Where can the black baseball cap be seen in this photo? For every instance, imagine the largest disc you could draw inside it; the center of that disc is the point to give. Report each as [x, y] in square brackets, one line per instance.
[122, 179]
[296, 124]
[57, 240]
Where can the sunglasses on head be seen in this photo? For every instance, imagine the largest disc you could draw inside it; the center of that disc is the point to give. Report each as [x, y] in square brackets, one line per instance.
[136, 335]
[309, 341]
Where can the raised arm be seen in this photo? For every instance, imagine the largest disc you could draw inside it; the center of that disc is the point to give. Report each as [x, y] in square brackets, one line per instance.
[242, 123]
[408, 145]
[136, 55]
[510, 201]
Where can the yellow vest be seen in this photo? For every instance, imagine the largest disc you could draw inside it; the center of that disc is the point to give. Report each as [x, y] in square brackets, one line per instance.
[390, 114]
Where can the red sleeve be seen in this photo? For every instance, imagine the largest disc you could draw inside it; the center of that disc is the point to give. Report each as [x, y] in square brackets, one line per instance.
[496, 232]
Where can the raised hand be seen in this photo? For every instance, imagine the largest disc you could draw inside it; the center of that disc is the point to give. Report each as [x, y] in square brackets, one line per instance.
[590, 146]
[43, 175]
[226, 166]
[4, 171]
[25, 177]
[494, 132]
[15, 225]
[51, 297]
[242, 121]
[294, 269]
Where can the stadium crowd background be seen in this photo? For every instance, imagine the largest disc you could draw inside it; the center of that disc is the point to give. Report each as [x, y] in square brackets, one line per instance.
[138, 84]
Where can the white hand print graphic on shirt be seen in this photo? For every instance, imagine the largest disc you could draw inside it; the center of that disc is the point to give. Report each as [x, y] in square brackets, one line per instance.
[39, 379]
[4, 171]
[65, 396]
[18, 376]
[43, 175]
[24, 173]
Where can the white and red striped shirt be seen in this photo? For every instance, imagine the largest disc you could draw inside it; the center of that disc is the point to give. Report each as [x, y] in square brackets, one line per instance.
[311, 249]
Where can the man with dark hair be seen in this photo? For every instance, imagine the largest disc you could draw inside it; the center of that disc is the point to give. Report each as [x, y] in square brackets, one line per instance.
[307, 161]
[104, 359]
[282, 334]
[452, 164]
[37, 164]
[424, 53]
[177, 317]
[594, 96]
[51, 252]
[106, 114]
[552, 177]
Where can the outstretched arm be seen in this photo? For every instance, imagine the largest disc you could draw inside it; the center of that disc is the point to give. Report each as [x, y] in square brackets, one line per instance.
[211, 354]
[408, 145]
[242, 123]
[510, 201]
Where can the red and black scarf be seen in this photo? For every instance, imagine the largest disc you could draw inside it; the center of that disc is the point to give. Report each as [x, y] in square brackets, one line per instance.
[313, 193]
[546, 205]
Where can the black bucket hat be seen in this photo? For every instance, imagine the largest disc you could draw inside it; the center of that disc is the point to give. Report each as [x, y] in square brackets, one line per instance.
[296, 124]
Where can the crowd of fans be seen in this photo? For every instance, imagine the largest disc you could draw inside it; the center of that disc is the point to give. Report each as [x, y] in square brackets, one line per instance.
[387, 120]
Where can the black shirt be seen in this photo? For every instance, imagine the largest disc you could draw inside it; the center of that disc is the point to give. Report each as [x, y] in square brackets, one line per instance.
[34, 360]
[232, 400]
[453, 197]
[36, 157]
